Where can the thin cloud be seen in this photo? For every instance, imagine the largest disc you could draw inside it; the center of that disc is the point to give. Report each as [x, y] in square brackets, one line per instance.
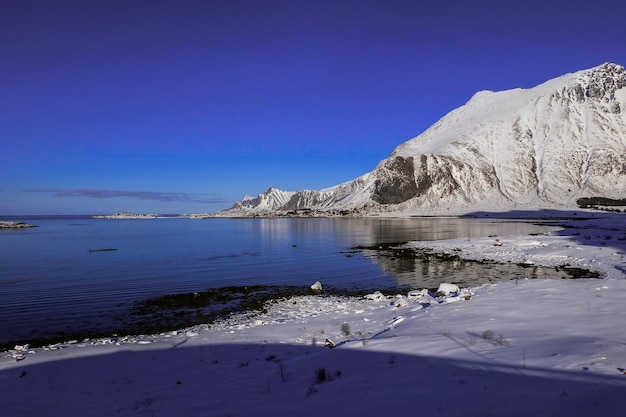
[141, 195]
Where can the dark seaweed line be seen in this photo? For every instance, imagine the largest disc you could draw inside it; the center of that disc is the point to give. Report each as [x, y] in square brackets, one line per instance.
[178, 311]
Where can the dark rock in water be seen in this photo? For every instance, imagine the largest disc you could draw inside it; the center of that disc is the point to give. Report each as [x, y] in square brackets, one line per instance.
[15, 225]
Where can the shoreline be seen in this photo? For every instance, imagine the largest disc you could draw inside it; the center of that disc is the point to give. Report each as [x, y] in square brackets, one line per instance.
[499, 250]
[527, 347]
[494, 250]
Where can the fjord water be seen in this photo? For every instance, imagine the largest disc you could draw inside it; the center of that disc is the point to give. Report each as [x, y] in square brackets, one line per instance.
[76, 273]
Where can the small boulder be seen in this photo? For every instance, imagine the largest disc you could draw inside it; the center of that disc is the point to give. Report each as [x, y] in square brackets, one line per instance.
[446, 289]
[375, 296]
[400, 301]
[418, 294]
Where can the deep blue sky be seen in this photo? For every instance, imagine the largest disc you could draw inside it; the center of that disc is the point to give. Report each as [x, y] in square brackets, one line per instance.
[186, 106]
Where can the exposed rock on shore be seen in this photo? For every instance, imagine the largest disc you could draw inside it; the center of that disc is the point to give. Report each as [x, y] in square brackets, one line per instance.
[15, 225]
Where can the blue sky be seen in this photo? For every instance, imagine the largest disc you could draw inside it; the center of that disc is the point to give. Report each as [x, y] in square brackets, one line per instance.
[186, 106]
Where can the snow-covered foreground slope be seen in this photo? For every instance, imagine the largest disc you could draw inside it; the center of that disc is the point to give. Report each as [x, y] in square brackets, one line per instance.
[532, 347]
[541, 147]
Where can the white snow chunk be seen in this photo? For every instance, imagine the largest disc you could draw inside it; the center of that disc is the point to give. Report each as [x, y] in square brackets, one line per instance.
[375, 296]
[445, 289]
[418, 294]
[400, 301]
[317, 286]
[21, 348]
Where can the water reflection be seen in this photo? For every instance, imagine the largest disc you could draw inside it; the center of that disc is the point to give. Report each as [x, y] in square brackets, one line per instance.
[424, 269]
[377, 236]
[439, 228]
[369, 231]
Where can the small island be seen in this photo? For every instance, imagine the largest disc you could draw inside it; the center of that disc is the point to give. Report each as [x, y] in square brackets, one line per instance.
[127, 215]
[199, 216]
[15, 225]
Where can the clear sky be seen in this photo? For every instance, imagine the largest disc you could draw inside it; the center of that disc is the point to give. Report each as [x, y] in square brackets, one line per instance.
[186, 106]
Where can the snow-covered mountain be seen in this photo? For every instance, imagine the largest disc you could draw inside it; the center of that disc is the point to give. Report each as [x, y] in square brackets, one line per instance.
[523, 148]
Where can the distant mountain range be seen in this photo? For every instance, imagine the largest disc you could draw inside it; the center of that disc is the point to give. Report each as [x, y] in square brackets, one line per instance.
[543, 147]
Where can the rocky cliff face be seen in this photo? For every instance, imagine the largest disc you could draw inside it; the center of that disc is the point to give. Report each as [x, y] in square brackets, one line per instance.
[540, 147]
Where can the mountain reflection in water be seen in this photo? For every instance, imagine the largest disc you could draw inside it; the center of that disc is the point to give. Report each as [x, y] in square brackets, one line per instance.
[421, 268]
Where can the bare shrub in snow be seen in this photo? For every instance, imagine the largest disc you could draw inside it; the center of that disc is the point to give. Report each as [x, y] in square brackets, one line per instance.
[320, 376]
[500, 340]
[487, 335]
[345, 329]
[495, 339]
[282, 371]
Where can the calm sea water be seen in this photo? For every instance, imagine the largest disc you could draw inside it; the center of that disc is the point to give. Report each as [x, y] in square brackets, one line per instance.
[54, 278]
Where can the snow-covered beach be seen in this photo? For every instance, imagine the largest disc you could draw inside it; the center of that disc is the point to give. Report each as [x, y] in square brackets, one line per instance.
[526, 347]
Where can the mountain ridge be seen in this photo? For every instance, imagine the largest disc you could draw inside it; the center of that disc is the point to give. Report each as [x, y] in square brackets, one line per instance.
[542, 147]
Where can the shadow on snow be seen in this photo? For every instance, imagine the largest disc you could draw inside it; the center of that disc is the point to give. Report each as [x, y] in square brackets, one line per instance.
[276, 379]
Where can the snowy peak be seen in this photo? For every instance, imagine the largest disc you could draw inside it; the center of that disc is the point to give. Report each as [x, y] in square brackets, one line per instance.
[600, 84]
[546, 146]
[603, 82]
[271, 200]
